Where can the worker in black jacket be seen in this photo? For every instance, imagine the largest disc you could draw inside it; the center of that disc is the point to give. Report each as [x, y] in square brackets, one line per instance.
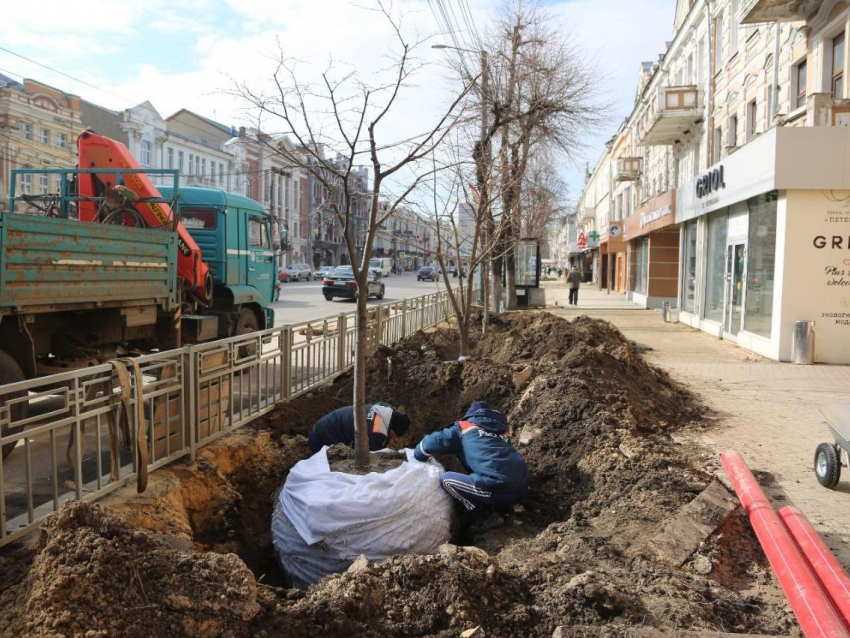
[382, 420]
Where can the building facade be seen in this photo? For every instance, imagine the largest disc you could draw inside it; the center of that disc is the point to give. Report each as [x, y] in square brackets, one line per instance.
[39, 126]
[732, 166]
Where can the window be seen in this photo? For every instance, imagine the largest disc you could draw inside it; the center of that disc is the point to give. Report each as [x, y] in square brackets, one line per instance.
[838, 66]
[715, 274]
[61, 140]
[26, 129]
[800, 84]
[180, 161]
[641, 265]
[44, 184]
[718, 42]
[751, 120]
[221, 173]
[191, 164]
[203, 170]
[733, 27]
[689, 276]
[258, 233]
[761, 256]
[718, 143]
[199, 218]
[733, 131]
[198, 166]
[146, 153]
[44, 136]
[700, 60]
[170, 158]
[26, 181]
[691, 68]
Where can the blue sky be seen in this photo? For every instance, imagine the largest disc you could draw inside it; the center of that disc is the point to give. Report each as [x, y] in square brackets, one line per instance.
[188, 53]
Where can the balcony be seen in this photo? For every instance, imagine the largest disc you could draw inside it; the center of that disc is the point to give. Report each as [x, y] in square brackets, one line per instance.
[755, 11]
[675, 112]
[824, 110]
[628, 169]
[587, 214]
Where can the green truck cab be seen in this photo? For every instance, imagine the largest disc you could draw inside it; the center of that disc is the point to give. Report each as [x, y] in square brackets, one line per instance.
[240, 243]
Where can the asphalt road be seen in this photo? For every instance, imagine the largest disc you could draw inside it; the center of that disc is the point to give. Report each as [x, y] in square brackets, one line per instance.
[303, 300]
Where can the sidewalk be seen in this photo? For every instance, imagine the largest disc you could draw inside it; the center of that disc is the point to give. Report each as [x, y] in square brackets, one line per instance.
[763, 409]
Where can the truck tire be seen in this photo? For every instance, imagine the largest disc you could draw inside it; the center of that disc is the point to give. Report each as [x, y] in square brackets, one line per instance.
[11, 372]
[246, 323]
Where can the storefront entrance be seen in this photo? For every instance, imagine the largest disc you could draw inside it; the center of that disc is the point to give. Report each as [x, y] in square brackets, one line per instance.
[736, 259]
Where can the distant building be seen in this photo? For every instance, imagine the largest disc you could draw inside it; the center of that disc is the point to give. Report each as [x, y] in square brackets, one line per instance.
[39, 126]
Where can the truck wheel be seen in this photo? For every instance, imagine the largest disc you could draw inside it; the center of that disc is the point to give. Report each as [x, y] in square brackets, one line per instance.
[10, 372]
[827, 465]
[246, 324]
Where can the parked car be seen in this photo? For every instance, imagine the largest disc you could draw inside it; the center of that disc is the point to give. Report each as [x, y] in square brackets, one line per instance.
[300, 272]
[283, 274]
[384, 264]
[427, 273]
[322, 271]
[341, 283]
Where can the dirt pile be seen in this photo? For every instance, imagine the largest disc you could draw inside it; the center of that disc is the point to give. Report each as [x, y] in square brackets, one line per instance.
[593, 421]
[96, 575]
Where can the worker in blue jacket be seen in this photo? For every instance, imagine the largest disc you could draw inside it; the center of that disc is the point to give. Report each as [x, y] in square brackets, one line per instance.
[382, 420]
[497, 475]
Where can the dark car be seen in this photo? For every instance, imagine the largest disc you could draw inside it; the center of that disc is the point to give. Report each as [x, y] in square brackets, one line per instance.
[341, 283]
[427, 273]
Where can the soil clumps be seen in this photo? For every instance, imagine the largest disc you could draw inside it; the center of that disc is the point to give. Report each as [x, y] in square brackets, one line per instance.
[341, 459]
[593, 421]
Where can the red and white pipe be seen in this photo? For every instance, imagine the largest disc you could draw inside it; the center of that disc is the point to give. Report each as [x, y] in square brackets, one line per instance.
[814, 610]
[826, 567]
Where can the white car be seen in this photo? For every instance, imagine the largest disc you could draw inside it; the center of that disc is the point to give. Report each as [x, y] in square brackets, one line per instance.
[300, 272]
[384, 265]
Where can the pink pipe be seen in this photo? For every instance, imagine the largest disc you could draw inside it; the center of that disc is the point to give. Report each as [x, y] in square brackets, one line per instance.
[812, 607]
[828, 570]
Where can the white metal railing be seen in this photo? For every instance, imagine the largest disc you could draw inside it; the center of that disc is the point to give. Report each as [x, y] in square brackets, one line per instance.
[66, 427]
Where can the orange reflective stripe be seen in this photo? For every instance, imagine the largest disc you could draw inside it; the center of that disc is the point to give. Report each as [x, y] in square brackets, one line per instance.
[466, 426]
[376, 423]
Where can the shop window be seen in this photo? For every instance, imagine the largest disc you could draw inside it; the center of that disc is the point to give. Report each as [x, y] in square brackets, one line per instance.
[837, 66]
[761, 257]
[641, 265]
[715, 276]
[800, 85]
[689, 276]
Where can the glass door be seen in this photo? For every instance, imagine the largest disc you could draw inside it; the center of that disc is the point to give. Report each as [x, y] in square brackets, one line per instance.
[736, 256]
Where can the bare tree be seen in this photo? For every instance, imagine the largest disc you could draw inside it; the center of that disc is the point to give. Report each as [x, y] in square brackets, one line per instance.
[545, 99]
[344, 114]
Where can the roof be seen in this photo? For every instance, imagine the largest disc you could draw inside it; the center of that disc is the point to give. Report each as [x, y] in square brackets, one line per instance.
[219, 125]
[5, 79]
[199, 196]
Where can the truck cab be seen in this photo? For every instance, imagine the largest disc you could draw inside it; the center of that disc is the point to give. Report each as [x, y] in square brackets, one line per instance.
[239, 241]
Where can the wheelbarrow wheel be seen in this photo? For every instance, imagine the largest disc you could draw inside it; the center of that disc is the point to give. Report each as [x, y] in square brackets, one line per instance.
[827, 465]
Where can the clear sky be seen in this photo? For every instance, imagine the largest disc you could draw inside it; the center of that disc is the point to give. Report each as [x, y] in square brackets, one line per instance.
[189, 53]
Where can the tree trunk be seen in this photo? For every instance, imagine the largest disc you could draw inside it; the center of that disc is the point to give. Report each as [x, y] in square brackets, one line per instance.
[463, 333]
[361, 432]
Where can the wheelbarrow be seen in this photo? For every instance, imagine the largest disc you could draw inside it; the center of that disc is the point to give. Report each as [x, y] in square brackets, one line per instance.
[828, 455]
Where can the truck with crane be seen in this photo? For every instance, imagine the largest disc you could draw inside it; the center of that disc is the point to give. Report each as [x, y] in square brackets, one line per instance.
[113, 265]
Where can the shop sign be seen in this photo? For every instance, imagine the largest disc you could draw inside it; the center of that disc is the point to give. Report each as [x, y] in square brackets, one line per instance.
[582, 240]
[654, 215]
[710, 183]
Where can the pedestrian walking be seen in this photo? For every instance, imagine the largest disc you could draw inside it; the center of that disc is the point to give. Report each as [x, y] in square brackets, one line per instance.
[574, 282]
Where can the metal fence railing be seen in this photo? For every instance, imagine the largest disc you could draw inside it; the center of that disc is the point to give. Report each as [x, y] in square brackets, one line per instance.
[77, 435]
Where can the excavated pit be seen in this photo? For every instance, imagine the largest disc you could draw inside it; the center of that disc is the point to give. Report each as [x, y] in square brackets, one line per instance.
[194, 554]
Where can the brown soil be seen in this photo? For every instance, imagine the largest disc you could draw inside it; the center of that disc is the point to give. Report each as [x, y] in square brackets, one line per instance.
[341, 459]
[605, 475]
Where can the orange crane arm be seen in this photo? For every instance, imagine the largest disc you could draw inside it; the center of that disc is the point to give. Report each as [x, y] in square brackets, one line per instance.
[96, 151]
